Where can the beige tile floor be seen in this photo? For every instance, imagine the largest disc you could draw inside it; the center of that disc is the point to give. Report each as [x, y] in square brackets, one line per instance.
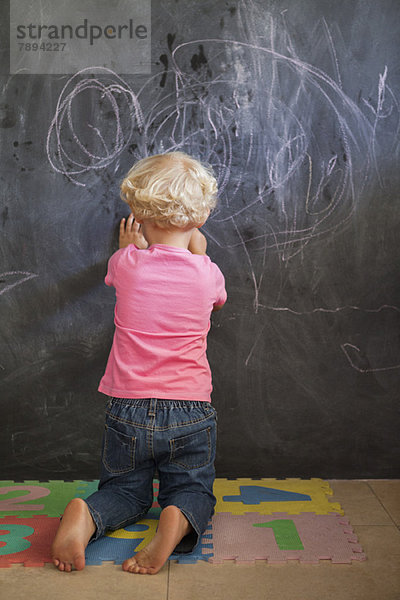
[372, 506]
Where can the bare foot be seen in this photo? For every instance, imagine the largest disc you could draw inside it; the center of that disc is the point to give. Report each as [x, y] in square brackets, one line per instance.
[72, 537]
[173, 526]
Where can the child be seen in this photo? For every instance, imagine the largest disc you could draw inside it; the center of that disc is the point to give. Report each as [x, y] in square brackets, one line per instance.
[159, 415]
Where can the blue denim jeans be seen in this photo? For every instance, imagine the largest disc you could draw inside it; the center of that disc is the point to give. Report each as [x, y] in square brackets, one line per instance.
[175, 437]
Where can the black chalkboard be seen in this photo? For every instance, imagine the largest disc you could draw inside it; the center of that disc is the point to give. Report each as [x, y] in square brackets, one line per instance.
[296, 106]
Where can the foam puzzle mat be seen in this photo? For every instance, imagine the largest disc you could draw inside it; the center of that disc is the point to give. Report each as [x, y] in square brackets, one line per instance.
[276, 538]
[255, 519]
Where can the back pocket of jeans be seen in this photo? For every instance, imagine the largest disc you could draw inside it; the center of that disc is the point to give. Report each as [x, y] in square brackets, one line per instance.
[192, 451]
[119, 451]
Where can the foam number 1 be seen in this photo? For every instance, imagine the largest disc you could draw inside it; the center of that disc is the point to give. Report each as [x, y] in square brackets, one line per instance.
[34, 493]
[14, 538]
[285, 532]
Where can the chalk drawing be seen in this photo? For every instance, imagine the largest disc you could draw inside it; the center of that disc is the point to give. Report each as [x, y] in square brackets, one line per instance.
[10, 281]
[279, 136]
[74, 150]
[333, 310]
[250, 109]
[353, 355]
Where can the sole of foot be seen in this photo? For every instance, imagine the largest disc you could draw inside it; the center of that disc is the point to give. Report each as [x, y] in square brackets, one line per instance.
[173, 526]
[72, 537]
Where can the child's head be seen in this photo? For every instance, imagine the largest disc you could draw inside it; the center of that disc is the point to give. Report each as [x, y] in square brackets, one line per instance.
[172, 190]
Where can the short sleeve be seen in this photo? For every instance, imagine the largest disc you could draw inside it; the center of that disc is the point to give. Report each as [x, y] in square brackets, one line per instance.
[112, 266]
[220, 291]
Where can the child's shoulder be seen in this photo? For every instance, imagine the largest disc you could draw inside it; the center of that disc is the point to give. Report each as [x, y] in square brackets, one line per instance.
[124, 251]
[122, 255]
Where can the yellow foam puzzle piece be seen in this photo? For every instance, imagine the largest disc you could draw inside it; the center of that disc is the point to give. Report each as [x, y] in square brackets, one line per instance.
[317, 489]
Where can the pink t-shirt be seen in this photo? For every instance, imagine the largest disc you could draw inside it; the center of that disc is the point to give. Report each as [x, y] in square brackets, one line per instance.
[165, 296]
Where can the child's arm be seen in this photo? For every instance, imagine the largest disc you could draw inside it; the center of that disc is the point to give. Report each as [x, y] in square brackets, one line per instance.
[198, 243]
[129, 233]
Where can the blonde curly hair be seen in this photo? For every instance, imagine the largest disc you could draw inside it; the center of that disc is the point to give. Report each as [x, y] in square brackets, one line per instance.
[171, 189]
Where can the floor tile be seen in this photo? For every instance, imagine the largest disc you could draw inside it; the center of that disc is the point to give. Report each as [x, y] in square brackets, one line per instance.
[360, 504]
[93, 583]
[388, 492]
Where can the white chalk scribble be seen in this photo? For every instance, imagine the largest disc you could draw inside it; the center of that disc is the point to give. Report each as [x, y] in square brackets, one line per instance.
[256, 126]
[293, 150]
[14, 278]
[350, 349]
[75, 147]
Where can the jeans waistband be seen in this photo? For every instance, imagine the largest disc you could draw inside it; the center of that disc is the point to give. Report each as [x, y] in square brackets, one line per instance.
[152, 403]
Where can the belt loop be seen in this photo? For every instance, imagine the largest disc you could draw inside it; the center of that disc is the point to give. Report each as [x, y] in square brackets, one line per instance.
[152, 407]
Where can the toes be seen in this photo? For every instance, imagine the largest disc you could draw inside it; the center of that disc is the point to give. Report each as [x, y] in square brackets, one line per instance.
[128, 564]
[144, 571]
[138, 570]
[131, 566]
[63, 566]
[133, 569]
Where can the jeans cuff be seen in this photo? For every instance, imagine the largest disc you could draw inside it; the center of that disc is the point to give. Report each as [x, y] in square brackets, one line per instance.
[190, 541]
[97, 521]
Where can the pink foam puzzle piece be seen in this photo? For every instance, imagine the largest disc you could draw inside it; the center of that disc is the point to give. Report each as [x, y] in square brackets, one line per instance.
[250, 537]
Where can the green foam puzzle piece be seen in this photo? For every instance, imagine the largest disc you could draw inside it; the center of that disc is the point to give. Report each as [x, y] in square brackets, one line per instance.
[49, 498]
[37, 497]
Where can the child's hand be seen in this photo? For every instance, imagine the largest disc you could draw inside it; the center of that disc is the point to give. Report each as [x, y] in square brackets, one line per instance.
[129, 233]
[198, 243]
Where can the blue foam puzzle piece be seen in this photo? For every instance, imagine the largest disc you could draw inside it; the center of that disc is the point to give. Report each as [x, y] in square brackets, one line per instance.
[119, 549]
[196, 554]
[113, 549]
[254, 494]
